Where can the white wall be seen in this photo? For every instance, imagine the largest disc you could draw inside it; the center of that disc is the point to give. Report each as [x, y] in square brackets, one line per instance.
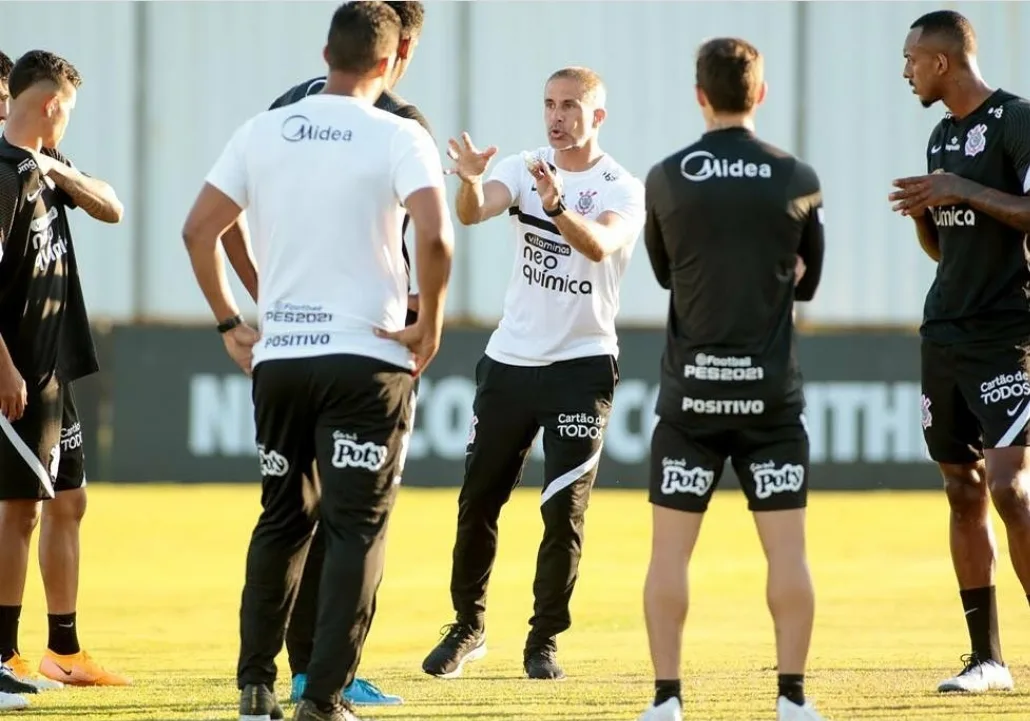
[199, 69]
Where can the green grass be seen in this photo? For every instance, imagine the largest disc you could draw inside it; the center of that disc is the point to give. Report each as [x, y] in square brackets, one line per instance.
[163, 569]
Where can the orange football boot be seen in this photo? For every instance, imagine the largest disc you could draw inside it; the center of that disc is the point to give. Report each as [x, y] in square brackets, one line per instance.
[78, 669]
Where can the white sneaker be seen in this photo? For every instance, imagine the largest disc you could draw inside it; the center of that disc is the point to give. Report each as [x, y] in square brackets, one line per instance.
[12, 702]
[787, 710]
[979, 677]
[669, 710]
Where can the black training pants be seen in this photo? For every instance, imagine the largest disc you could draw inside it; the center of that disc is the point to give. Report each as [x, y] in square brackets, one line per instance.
[571, 400]
[351, 415]
[300, 631]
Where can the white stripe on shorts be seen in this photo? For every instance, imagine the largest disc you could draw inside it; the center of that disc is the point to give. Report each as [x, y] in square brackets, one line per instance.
[28, 456]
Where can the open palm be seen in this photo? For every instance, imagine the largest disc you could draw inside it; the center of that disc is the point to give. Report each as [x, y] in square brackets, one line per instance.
[469, 161]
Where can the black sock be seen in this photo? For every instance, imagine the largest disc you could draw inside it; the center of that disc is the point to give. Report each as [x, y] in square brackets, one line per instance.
[664, 690]
[64, 638]
[9, 616]
[981, 607]
[792, 686]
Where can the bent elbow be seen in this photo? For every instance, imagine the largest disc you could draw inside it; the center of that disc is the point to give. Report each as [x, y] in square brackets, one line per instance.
[115, 213]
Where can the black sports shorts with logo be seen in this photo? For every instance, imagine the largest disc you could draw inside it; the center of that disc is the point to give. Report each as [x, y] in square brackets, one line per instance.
[41, 452]
[770, 456]
[332, 435]
[975, 396]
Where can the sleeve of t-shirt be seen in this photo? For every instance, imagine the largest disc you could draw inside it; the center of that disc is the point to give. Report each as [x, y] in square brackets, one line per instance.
[626, 199]
[10, 194]
[229, 173]
[812, 246]
[63, 197]
[415, 162]
[1016, 140]
[298, 92]
[654, 241]
[509, 171]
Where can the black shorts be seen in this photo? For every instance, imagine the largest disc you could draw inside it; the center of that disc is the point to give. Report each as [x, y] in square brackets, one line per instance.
[975, 396]
[770, 458]
[342, 419]
[41, 453]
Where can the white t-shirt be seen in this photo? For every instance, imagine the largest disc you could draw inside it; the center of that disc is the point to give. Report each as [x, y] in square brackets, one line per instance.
[324, 180]
[560, 304]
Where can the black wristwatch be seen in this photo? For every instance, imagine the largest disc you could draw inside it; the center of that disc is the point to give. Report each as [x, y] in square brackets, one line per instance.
[558, 210]
[229, 323]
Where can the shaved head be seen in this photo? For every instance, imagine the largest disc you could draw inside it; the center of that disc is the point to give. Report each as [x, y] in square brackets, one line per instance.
[946, 31]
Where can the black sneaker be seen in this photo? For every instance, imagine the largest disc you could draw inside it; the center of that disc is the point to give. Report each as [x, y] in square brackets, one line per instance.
[460, 643]
[541, 663]
[9, 683]
[257, 703]
[309, 711]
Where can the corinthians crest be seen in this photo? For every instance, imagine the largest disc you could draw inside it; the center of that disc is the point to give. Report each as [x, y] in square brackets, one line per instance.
[586, 201]
[976, 140]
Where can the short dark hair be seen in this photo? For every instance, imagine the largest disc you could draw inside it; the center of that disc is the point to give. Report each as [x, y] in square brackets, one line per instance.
[950, 26]
[361, 33]
[5, 67]
[729, 72]
[38, 66]
[412, 15]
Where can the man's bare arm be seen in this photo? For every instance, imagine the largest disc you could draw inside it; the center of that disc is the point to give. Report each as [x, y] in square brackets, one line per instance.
[1012, 210]
[594, 239]
[211, 215]
[477, 202]
[434, 251]
[926, 232]
[236, 243]
[93, 195]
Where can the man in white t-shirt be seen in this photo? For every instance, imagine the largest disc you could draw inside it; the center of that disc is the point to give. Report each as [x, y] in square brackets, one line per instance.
[327, 181]
[551, 363]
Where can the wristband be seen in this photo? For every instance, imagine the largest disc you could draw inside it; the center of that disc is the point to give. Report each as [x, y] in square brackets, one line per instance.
[558, 210]
[228, 324]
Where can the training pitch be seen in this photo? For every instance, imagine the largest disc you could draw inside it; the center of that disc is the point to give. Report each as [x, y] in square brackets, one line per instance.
[163, 568]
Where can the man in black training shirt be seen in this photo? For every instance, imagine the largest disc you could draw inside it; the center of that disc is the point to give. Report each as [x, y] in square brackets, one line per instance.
[45, 345]
[301, 629]
[971, 215]
[727, 219]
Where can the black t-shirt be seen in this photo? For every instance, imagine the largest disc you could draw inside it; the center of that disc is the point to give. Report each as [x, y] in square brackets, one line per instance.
[388, 101]
[43, 316]
[726, 219]
[982, 288]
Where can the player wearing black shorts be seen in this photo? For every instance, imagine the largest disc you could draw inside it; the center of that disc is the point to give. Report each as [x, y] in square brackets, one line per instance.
[301, 628]
[46, 345]
[727, 219]
[334, 366]
[972, 214]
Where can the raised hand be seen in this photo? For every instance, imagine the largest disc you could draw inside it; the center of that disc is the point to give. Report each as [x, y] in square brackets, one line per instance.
[469, 161]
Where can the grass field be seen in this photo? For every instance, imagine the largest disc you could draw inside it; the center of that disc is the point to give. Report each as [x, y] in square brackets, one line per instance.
[163, 571]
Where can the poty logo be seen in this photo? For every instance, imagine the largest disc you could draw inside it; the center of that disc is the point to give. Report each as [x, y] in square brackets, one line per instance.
[677, 478]
[953, 217]
[273, 463]
[789, 478]
[702, 165]
[297, 128]
[349, 453]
